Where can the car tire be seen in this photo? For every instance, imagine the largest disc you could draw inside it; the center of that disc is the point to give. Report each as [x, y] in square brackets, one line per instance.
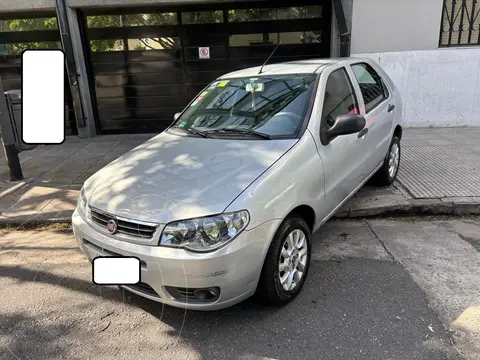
[270, 290]
[384, 176]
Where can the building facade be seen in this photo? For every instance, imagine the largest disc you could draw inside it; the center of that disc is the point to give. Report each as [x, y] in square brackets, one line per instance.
[132, 64]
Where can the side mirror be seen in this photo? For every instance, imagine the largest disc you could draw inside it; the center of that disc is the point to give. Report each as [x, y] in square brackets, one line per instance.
[346, 124]
[176, 116]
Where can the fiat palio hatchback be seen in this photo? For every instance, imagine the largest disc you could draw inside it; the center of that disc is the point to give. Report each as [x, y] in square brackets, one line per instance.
[222, 204]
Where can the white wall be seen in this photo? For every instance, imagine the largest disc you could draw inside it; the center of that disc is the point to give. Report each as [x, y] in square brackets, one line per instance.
[395, 25]
[438, 87]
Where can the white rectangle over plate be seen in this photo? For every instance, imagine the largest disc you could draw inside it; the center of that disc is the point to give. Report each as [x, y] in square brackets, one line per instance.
[43, 97]
[116, 270]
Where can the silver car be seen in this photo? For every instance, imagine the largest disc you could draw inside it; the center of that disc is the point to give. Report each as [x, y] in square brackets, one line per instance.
[222, 205]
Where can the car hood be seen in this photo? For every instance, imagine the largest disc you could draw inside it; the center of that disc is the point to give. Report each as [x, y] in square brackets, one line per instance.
[174, 177]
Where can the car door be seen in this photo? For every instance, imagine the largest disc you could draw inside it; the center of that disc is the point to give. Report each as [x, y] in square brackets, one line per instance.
[377, 106]
[342, 156]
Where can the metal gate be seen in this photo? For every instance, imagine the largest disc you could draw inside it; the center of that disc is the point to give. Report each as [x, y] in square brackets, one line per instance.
[147, 66]
[29, 31]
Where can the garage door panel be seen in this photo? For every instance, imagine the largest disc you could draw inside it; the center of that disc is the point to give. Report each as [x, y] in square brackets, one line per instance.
[194, 35]
[147, 114]
[142, 102]
[136, 56]
[137, 125]
[222, 65]
[194, 89]
[202, 77]
[216, 52]
[139, 79]
[146, 90]
[136, 67]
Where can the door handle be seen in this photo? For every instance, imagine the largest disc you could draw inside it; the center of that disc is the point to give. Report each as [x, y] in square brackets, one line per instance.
[391, 107]
[362, 132]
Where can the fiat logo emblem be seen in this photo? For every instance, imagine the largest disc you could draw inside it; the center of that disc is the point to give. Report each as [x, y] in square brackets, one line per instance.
[112, 226]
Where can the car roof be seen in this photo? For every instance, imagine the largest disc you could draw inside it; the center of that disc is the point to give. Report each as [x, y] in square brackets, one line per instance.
[311, 66]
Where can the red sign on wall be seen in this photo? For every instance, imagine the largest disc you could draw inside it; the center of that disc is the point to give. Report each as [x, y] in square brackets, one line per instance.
[204, 52]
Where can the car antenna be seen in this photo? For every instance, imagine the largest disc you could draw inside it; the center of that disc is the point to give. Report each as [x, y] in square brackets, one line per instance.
[266, 61]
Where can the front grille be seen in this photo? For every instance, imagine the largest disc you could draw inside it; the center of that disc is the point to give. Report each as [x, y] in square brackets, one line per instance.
[127, 227]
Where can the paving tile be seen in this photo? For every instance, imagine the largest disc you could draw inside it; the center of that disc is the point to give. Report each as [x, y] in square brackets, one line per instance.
[64, 201]
[33, 201]
[444, 165]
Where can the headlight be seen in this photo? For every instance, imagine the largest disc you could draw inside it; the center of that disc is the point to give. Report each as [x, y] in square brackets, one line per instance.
[82, 202]
[205, 234]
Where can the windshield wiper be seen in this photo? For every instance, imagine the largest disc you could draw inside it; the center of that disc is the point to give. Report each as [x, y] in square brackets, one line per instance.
[242, 131]
[191, 131]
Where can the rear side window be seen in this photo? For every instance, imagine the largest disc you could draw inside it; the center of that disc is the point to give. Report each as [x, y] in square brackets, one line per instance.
[339, 97]
[371, 85]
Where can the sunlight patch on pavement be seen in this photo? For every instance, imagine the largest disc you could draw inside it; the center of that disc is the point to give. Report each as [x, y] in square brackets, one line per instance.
[469, 320]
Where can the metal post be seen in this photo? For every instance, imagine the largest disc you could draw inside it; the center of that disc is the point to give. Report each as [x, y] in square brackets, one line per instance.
[342, 28]
[70, 64]
[8, 139]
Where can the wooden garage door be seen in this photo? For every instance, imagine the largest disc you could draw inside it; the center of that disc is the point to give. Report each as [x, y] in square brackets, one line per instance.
[147, 66]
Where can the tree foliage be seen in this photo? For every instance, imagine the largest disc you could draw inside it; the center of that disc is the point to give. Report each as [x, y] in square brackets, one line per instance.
[30, 25]
[154, 19]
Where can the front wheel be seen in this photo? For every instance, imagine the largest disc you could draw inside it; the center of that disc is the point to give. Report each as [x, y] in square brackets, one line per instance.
[286, 264]
[387, 174]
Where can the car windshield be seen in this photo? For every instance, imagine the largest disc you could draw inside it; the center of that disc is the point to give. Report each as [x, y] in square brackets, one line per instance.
[266, 107]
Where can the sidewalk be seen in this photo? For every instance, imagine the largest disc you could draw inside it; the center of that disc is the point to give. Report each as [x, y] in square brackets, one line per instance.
[439, 174]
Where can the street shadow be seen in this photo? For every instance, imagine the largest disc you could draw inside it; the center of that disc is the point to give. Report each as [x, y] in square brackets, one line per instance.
[42, 340]
[356, 309]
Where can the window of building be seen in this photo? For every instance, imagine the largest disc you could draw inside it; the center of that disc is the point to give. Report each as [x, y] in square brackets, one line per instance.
[339, 97]
[18, 34]
[202, 17]
[287, 13]
[371, 85]
[126, 20]
[294, 37]
[460, 23]
[18, 48]
[30, 24]
[134, 44]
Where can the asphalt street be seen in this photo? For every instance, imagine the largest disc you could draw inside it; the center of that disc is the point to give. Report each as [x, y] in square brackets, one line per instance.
[377, 289]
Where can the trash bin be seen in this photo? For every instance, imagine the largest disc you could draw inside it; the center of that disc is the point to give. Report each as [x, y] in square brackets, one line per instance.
[14, 104]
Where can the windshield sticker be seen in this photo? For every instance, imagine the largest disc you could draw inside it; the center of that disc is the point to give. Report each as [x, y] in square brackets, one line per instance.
[182, 124]
[213, 85]
[223, 83]
[254, 87]
[200, 98]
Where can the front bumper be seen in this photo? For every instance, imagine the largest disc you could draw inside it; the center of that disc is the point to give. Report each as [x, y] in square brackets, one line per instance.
[235, 268]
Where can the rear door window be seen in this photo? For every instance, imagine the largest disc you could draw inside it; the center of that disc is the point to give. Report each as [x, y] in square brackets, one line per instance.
[371, 85]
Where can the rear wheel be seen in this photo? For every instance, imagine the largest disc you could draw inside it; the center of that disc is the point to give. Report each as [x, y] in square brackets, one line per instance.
[387, 174]
[286, 264]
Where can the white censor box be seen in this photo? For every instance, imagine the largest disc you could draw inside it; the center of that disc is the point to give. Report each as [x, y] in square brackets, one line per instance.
[204, 52]
[43, 97]
[110, 270]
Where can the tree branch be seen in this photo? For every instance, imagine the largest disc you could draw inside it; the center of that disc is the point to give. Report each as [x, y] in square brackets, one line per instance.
[146, 44]
[166, 43]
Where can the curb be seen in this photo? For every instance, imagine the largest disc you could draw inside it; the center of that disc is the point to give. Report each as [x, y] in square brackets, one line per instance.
[13, 189]
[425, 207]
[25, 221]
[414, 207]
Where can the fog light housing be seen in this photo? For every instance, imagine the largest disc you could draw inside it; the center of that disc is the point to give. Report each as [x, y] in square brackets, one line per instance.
[194, 295]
